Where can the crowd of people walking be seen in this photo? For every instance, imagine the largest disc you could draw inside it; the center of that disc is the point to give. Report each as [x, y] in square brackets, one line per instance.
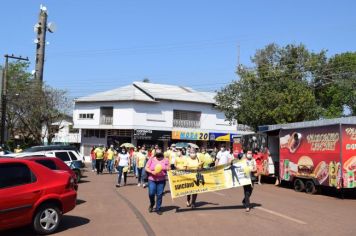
[150, 165]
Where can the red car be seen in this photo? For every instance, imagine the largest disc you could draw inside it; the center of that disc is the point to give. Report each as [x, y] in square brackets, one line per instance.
[31, 194]
[54, 164]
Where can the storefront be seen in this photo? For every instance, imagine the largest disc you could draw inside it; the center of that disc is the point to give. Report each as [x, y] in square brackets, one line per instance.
[152, 137]
[219, 139]
[200, 138]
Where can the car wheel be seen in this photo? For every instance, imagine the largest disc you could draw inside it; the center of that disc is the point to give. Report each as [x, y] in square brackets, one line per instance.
[310, 187]
[299, 185]
[78, 175]
[47, 219]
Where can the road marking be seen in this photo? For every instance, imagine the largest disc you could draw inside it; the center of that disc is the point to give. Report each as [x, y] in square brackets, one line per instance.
[280, 215]
[220, 194]
[146, 226]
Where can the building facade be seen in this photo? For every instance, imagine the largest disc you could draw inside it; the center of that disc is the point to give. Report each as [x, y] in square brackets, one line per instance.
[147, 113]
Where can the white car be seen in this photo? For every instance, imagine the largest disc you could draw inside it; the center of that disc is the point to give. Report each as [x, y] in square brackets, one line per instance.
[68, 156]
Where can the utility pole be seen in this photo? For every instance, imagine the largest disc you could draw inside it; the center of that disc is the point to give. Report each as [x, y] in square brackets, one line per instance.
[41, 28]
[4, 94]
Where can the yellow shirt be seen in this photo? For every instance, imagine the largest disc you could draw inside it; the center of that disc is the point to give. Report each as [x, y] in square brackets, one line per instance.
[172, 157]
[206, 159]
[110, 154]
[141, 158]
[192, 164]
[99, 153]
[18, 150]
[180, 162]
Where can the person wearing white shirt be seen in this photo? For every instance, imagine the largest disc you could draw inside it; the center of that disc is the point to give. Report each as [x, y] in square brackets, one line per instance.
[223, 157]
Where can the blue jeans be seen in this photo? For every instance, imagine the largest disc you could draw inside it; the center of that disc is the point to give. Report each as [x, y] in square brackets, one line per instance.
[156, 188]
[120, 169]
[110, 164]
[93, 164]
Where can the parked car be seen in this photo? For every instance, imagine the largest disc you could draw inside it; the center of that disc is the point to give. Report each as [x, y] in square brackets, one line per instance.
[69, 157]
[31, 194]
[57, 164]
[49, 148]
[65, 155]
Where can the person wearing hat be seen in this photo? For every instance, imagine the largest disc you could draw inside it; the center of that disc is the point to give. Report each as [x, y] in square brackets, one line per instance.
[18, 149]
[251, 164]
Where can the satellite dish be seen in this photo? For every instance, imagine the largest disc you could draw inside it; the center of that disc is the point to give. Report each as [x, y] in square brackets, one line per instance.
[51, 27]
[35, 27]
[36, 41]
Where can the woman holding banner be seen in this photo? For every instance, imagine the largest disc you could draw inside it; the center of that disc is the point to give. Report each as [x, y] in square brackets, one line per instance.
[192, 163]
[251, 164]
[156, 168]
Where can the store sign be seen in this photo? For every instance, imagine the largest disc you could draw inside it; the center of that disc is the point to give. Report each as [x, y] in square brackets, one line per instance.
[188, 135]
[220, 137]
[147, 134]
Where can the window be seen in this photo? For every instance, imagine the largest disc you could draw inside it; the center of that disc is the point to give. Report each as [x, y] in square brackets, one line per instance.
[186, 115]
[72, 156]
[63, 156]
[47, 163]
[87, 116]
[186, 119]
[106, 115]
[15, 174]
[98, 133]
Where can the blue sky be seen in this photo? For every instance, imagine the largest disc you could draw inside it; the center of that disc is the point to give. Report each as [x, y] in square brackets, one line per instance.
[100, 45]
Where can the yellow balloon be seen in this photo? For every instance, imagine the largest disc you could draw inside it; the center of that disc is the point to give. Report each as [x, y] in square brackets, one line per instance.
[158, 168]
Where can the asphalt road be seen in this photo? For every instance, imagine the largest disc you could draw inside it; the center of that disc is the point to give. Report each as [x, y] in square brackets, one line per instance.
[105, 210]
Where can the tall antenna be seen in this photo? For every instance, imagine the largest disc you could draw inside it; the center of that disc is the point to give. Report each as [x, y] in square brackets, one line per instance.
[238, 55]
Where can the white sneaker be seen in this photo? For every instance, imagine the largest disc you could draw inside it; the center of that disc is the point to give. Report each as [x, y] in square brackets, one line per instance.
[139, 185]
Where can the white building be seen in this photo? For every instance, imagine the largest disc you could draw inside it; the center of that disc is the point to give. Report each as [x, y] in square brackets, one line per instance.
[65, 134]
[147, 113]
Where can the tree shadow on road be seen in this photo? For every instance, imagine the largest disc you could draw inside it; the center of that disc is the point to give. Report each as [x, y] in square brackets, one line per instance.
[179, 210]
[67, 222]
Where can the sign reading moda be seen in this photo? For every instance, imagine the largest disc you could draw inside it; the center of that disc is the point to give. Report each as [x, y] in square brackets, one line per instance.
[188, 135]
[147, 134]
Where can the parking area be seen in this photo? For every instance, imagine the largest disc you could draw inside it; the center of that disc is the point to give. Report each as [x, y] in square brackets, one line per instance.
[105, 210]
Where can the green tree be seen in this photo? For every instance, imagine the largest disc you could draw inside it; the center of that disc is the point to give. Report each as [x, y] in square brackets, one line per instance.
[277, 90]
[336, 89]
[29, 108]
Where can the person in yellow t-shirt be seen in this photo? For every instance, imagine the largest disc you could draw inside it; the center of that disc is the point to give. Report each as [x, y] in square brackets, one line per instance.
[18, 149]
[180, 161]
[205, 158]
[193, 163]
[110, 158]
[172, 157]
[99, 157]
[141, 158]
